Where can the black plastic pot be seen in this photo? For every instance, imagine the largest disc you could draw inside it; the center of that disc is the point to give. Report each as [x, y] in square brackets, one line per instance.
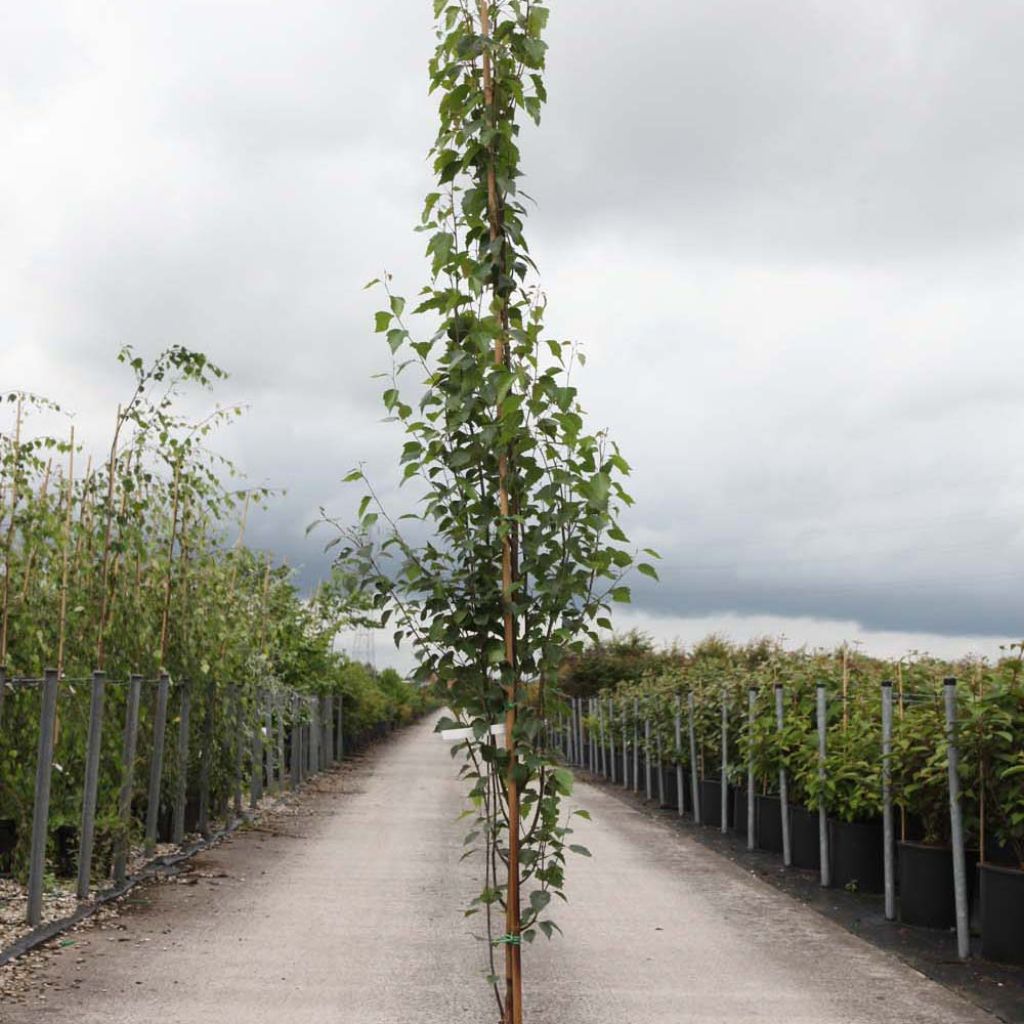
[8, 840]
[739, 809]
[711, 803]
[671, 789]
[926, 890]
[769, 823]
[66, 841]
[1002, 913]
[804, 841]
[855, 850]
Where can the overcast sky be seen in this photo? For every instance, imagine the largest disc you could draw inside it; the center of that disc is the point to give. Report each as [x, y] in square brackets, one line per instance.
[788, 235]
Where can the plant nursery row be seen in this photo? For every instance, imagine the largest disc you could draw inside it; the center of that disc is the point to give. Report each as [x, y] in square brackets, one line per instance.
[900, 778]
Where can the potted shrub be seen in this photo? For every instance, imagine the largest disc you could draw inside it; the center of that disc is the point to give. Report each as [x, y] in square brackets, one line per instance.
[854, 799]
[921, 788]
[1002, 887]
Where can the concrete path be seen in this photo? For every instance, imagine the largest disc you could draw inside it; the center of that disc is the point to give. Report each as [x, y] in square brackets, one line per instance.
[348, 911]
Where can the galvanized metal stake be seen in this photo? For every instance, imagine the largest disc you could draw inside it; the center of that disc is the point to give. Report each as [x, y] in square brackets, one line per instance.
[236, 700]
[92, 780]
[888, 836]
[339, 742]
[647, 752]
[156, 764]
[636, 745]
[725, 765]
[694, 782]
[625, 750]
[823, 855]
[787, 858]
[680, 783]
[963, 935]
[600, 734]
[205, 756]
[613, 769]
[129, 748]
[279, 702]
[41, 807]
[256, 767]
[181, 782]
[751, 795]
[660, 769]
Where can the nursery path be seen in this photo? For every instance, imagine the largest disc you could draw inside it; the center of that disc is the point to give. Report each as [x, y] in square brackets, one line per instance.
[347, 910]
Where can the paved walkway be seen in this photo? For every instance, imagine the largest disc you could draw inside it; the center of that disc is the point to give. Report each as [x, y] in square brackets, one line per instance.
[349, 911]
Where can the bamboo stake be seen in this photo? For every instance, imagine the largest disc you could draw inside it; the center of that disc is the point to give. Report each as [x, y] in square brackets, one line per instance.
[165, 617]
[9, 543]
[846, 684]
[108, 530]
[31, 552]
[63, 617]
[513, 962]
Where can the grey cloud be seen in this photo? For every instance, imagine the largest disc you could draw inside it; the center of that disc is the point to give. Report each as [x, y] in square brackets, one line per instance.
[788, 236]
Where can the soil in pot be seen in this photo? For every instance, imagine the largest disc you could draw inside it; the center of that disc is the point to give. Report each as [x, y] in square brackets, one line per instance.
[1002, 913]
[855, 850]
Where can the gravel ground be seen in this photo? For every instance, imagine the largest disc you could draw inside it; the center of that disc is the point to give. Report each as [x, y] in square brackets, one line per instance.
[348, 908]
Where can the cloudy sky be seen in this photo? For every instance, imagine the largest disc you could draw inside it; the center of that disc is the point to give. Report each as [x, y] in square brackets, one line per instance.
[789, 237]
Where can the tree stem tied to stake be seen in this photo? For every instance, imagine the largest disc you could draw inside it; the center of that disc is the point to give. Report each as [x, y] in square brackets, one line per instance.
[513, 961]
[525, 555]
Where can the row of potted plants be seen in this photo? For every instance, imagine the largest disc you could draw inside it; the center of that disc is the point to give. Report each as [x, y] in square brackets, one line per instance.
[989, 738]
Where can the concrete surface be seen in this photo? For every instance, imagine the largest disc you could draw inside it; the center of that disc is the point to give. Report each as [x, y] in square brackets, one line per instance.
[350, 910]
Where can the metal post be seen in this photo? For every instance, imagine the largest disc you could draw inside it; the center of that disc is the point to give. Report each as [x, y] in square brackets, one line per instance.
[128, 751]
[648, 792]
[751, 795]
[3, 690]
[680, 781]
[963, 937]
[205, 756]
[156, 763]
[92, 779]
[823, 857]
[888, 837]
[573, 745]
[341, 727]
[236, 700]
[600, 733]
[787, 857]
[256, 767]
[296, 743]
[694, 784]
[326, 732]
[181, 782]
[661, 769]
[268, 743]
[279, 708]
[580, 745]
[725, 765]
[625, 750]
[613, 771]
[41, 807]
[636, 745]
